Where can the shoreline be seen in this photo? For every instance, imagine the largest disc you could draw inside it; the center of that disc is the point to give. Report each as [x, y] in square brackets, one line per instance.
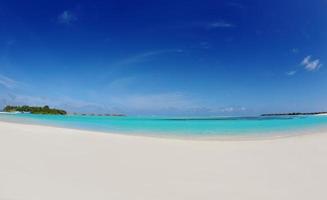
[245, 137]
[40, 162]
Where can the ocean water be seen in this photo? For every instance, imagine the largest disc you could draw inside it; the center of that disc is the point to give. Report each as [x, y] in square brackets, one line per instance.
[178, 126]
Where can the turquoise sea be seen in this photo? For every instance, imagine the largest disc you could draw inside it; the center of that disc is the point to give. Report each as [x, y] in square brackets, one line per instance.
[179, 126]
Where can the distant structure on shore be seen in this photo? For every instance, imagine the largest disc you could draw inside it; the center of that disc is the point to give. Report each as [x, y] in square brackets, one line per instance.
[295, 113]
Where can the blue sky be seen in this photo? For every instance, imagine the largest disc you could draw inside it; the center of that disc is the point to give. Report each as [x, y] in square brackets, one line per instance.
[165, 57]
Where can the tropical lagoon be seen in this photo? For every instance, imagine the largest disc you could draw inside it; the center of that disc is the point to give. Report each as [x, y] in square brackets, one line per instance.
[195, 127]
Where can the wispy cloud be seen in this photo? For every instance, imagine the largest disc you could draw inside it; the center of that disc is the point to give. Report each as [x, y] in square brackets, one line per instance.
[311, 65]
[295, 50]
[204, 45]
[154, 102]
[216, 111]
[205, 25]
[230, 109]
[10, 42]
[291, 73]
[8, 82]
[169, 103]
[67, 17]
[236, 5]
[143, 57]
[219, 24]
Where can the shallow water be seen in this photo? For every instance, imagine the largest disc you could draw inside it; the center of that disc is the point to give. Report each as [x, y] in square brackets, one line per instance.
[184, 127]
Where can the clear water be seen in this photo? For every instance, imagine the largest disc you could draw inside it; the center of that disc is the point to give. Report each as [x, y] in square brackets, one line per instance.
[161, 126]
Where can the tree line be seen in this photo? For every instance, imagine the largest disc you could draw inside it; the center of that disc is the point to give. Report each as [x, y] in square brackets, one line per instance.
[35, 110]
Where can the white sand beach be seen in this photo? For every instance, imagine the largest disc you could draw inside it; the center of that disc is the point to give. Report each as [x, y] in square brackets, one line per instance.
[47, 163]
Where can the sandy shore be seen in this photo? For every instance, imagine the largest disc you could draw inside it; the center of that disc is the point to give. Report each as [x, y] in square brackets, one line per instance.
[46, 163]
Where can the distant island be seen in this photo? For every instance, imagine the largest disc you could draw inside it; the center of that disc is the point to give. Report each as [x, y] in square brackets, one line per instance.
[294, 113]
[46, 110]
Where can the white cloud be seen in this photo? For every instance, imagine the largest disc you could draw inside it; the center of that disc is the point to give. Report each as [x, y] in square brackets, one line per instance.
[143, 57]
[236, 5]
[217, 111]
[291, 73]
[8, 82]
[67, 17]
[295, 50]
[229, 109]
[219, 24]
[204, 45]
[154, 102]
[11, 42]
[311, 65]
[206, 25]
[306, 60]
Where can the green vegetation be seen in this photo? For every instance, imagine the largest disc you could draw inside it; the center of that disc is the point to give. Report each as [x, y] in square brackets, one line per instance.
[35, 110]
